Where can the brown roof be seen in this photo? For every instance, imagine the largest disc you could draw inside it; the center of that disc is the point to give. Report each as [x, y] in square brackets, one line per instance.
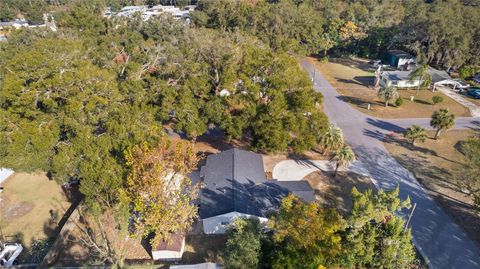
[175, 243]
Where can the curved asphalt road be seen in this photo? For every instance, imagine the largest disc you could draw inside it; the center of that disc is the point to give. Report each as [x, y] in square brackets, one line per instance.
[435, 234]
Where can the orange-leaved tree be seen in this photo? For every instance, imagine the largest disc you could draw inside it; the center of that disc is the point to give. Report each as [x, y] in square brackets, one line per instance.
[158, 191]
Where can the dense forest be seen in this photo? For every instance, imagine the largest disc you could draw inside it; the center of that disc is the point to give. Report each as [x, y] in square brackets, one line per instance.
[442, 32]
[75, 102]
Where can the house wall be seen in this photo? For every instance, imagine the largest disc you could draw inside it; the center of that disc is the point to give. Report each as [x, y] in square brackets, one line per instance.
[218, 224]
[385, 82]
[407, 83]
[168, 255]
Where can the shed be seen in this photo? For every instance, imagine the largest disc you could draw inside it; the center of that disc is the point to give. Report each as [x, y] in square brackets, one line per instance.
[207, 265]
[171, 250]
[399, 58]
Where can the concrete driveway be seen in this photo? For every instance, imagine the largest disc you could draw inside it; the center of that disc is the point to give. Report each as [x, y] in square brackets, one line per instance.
[473, 108]
[435, 234]
[291, 170]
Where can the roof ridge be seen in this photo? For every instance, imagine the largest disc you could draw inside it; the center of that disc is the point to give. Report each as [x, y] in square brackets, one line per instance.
[233, 180]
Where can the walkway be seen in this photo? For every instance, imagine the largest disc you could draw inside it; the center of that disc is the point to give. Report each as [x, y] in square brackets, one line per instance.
[435, 234]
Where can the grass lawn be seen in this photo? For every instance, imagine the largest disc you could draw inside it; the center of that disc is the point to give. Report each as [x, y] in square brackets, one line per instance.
[30, 207]
[436, 165]
[353, 78]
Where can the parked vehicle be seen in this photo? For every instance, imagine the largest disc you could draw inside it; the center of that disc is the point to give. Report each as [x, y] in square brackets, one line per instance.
[474, 93]
[377, 63]
[9, 253]
[476, 78]
[461, 84]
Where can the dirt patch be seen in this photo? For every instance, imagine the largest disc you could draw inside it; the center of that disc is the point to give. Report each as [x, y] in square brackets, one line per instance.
[336, 191]
[437, 165]
[353, 78]
[18, 210]
[203, 248]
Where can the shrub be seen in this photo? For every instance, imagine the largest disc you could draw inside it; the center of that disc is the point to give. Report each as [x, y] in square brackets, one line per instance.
[437, 99]
[399, 102]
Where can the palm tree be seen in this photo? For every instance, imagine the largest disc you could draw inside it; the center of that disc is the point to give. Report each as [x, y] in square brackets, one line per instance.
[332, 139]
[442, 120]
[421, 73]
[388, 94]
[343, 157]
[416, 133]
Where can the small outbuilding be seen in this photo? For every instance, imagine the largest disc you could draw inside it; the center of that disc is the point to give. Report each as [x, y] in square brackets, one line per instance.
[399, 58]
[207, 265]
[171, 250]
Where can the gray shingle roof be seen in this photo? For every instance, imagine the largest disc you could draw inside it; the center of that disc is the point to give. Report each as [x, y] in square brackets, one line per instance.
[234, 180]
[397, 75]
[437, 75]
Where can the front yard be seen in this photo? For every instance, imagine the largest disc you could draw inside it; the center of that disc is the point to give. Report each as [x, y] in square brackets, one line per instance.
[437, 165]
[353, 78]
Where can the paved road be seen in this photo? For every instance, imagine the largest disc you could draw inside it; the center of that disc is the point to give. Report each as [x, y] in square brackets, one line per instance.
[435, 234]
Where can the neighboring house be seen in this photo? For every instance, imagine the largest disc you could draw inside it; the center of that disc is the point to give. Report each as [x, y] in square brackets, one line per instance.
[399, 58]
[155, 11]
[171, 250]
[49, 22]
[398, 79]
[401, 79]
[207, 265]
[234, 185]
[13, 24]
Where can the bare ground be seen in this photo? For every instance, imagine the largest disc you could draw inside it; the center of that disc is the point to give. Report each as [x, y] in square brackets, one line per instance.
[437, 165]
[336, 191]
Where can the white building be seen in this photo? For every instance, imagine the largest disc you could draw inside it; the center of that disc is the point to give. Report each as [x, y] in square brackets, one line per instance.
[169, 251]
[401, 79]
[207, 265]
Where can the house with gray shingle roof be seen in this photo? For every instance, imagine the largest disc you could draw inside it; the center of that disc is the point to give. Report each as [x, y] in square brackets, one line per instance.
[401, 79]
[234, 185]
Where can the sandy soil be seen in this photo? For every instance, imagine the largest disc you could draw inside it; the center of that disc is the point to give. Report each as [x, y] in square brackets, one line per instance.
[353, 78]
[437, 165]
[336, 191]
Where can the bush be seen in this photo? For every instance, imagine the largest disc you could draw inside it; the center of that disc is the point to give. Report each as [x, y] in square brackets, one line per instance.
[437, 99]
[399, 102]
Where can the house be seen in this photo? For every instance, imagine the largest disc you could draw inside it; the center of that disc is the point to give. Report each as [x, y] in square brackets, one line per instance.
[129, 11]
[401, 79]
[235, 185]
[398, 79]
[399, 58]
[207, 265]
[13, 24]
[171, 250]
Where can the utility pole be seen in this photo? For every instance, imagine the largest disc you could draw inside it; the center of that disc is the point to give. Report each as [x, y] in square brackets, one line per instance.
[410, 217]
